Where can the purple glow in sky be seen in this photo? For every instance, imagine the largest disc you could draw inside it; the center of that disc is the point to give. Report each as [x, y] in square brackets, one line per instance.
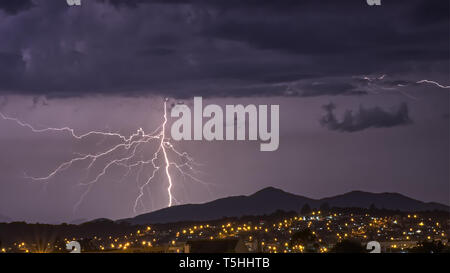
[354, 111]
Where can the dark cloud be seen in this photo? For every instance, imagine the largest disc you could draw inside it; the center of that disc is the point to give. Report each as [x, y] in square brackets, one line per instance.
[124, 3]
[365, 118]
[15, 6]
[299, 28]
[324, 87]
[431, 12]
[215, 48]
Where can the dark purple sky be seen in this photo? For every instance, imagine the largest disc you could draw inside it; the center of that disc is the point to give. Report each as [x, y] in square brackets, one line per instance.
[107, 65]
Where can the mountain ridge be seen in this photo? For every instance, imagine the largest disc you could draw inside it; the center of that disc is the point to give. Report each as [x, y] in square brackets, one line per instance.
[270, 199]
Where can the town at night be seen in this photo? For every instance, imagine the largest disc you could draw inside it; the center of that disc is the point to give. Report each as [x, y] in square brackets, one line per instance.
[224, 135]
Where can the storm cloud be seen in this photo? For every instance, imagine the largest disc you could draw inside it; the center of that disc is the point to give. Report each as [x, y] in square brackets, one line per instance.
[16, 6]
[364, 118]
[215, 48]
[109, 65]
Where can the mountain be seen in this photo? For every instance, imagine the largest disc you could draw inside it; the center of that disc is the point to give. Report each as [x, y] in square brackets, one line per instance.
[261, 202]
[392, 201]
[270, 199]
[99, 221]
[78, 221]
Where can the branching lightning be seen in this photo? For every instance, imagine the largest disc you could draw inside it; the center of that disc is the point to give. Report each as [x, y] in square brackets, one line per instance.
[377, 83]
[435, 83]
[133, 158]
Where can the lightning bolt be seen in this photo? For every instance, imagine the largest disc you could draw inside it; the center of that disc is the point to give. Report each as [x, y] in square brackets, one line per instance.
[130, 147]
[435, 83]
[166, 159]
[421, 82]
[378, 83]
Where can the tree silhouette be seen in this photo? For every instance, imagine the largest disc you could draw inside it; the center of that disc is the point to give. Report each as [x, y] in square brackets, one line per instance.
[348, 246]
[429, 247]
[306, 209]
[325, 207]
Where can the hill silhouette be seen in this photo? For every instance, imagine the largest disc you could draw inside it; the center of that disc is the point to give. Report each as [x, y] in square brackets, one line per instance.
[270, 199]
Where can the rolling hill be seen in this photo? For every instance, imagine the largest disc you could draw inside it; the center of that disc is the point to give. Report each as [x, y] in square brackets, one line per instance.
[271, 199]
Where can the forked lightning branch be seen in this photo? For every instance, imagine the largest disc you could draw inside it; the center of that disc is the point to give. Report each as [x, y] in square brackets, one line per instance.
[130, 152]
